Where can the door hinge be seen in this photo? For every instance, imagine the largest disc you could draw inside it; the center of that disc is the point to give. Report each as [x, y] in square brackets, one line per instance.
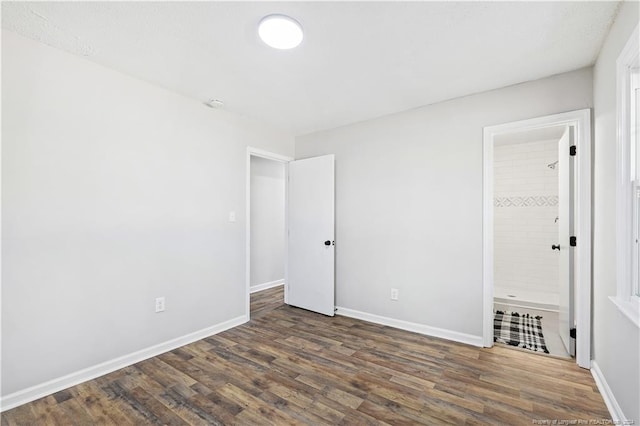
[572, 332]
[572, 150]
[572, 241]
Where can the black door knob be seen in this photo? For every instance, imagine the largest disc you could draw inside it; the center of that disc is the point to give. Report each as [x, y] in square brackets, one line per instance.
[327, 243]
[555, 247]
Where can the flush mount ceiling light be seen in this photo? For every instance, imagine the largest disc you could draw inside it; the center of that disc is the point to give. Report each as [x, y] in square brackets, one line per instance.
[280, 31]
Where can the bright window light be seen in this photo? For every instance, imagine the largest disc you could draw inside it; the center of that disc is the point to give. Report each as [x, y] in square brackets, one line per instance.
[280, 31]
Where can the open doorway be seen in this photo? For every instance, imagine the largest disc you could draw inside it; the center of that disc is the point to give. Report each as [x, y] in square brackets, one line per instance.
[266, 224]
[533, 286]
[525, 270]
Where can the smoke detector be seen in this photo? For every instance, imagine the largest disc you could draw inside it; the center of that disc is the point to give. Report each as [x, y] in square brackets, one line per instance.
[214, 103]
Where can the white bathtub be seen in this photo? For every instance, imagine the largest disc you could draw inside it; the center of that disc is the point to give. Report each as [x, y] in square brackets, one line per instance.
[545, 301]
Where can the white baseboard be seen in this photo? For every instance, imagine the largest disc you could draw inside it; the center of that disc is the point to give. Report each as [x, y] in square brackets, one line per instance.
[609, 399]
[265, 286]
[412, 326]
[38, 391]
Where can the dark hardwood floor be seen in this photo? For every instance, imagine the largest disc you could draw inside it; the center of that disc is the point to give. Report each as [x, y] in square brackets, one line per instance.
[290, 366]
[266, 301]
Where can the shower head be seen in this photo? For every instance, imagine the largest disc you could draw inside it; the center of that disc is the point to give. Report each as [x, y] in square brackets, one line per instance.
[552, 165]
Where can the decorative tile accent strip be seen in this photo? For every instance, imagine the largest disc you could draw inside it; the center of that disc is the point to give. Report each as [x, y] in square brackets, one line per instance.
[526, 201]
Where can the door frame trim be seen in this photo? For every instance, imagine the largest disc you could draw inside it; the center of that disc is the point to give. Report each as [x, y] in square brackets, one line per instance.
[256, 152]
[581, 121]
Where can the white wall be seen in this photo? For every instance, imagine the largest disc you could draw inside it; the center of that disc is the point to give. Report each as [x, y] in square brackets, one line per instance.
[114, 192]
[267, 221]
[616, 340]
[525, 209]
[409, 200]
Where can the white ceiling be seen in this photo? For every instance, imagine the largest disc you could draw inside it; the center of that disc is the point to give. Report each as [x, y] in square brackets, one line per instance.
[359, 60]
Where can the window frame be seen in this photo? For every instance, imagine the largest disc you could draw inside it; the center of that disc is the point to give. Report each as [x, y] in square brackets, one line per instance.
[634, 147]
[635, 237]
[627, 298]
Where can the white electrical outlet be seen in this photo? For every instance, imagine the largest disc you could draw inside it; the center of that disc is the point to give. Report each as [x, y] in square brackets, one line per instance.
[159, 304]
[394, 294]
[232, 216]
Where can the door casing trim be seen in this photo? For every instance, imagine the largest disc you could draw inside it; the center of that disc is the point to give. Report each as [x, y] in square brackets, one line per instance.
[581, 122]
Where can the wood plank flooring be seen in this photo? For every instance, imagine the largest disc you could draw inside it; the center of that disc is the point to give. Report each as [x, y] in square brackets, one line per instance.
[266, 301]
[290, 366]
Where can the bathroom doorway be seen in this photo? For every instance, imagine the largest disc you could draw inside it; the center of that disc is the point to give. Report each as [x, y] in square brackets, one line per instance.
[537, 282]
[528, 178]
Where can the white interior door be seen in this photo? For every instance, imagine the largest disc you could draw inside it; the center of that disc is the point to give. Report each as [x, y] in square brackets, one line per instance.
[565, 230]
[310, 248]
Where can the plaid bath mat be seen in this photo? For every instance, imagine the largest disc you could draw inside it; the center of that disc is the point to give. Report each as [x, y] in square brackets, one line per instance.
[523, 331]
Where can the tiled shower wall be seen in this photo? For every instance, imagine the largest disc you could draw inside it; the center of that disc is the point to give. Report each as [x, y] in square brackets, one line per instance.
[525, 208]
